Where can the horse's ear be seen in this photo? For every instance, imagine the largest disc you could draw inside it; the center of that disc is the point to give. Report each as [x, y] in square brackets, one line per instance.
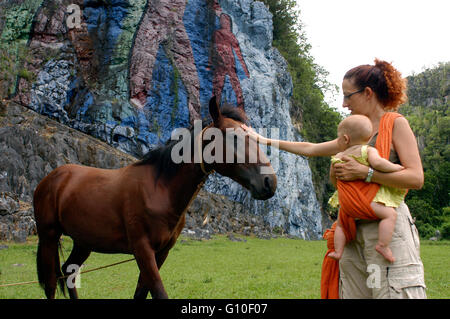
[214, 110]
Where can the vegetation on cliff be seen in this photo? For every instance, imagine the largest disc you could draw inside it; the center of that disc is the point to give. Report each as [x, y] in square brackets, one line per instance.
[428, 114]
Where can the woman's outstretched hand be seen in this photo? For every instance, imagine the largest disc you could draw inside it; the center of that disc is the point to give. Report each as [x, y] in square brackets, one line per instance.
[253, 135]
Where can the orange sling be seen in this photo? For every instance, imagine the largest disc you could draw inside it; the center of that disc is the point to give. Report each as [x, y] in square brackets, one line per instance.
[354, 200]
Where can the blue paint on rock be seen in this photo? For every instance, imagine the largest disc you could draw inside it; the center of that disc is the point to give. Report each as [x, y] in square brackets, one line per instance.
[167, 103]
[199, 24]
[104, 22]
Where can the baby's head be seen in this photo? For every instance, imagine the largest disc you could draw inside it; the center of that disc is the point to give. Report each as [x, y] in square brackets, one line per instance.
[354, 130]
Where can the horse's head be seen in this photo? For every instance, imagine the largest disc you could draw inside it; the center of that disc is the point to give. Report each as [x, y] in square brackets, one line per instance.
[233, 154]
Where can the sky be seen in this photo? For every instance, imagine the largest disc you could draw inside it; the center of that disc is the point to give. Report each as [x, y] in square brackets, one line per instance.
[411, 34]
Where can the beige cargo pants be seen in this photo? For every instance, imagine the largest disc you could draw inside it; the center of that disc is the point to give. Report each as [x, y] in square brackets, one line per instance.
[366, 274]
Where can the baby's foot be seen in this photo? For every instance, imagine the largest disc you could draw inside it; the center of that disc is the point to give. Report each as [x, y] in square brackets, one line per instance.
[386, 252]
[335, 255]
[136, 103]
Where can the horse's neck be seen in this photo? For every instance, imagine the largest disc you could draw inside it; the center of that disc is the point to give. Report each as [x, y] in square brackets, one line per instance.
[185, 186]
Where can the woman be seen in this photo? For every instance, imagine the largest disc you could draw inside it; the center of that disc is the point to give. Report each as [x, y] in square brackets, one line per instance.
[373, 90]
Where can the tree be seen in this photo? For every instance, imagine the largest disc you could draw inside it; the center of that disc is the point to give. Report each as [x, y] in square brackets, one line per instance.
[428, 114]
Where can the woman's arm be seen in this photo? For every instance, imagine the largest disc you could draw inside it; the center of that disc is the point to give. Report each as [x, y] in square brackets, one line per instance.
[405, 145]
[300, 148]
[305, 148]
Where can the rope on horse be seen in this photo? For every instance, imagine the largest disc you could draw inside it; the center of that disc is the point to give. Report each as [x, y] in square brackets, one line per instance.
[83, 272]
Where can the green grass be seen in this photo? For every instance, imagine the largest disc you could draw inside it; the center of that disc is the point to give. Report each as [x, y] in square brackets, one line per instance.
[218, 268]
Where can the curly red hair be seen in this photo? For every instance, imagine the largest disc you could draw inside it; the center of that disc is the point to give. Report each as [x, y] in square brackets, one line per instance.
[385, 80]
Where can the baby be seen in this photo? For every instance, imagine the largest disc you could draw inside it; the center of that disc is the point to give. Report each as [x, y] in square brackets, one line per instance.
[354, 132]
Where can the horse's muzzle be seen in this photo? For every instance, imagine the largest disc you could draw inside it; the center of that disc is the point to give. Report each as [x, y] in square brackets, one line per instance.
[265, 187]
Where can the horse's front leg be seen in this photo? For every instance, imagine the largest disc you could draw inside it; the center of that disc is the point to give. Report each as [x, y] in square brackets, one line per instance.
[149, 278]
[141, 291]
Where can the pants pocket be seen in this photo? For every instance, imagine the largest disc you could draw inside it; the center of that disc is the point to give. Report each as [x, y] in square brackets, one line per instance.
[402, 279]
[414, 234]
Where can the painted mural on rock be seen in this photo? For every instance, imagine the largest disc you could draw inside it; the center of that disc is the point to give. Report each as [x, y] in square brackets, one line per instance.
[131, 71]
[126, 71]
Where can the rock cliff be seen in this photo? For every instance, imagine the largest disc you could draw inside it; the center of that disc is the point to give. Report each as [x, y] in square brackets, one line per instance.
[128, 72]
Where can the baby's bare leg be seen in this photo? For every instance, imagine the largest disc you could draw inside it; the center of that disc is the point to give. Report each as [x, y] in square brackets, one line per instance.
[339, 243]
[388, 216]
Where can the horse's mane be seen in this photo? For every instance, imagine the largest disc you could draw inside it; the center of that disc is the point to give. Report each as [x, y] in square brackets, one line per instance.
[160, 157]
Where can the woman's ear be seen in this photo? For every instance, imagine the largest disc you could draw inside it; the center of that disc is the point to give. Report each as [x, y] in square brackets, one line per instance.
[368, 92]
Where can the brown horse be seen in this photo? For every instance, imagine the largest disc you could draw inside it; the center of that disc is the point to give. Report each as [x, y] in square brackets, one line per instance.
[138, 209]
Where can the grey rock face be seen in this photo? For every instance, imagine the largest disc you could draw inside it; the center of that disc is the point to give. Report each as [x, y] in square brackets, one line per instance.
[211, 214]
[16, 218]
[32, 146]
[49, 93]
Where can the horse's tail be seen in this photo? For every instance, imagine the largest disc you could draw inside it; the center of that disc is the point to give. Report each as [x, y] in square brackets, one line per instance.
[48, 229]
[49, 268]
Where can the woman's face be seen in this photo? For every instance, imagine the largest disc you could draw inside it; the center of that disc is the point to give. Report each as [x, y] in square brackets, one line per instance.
[353, 98]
